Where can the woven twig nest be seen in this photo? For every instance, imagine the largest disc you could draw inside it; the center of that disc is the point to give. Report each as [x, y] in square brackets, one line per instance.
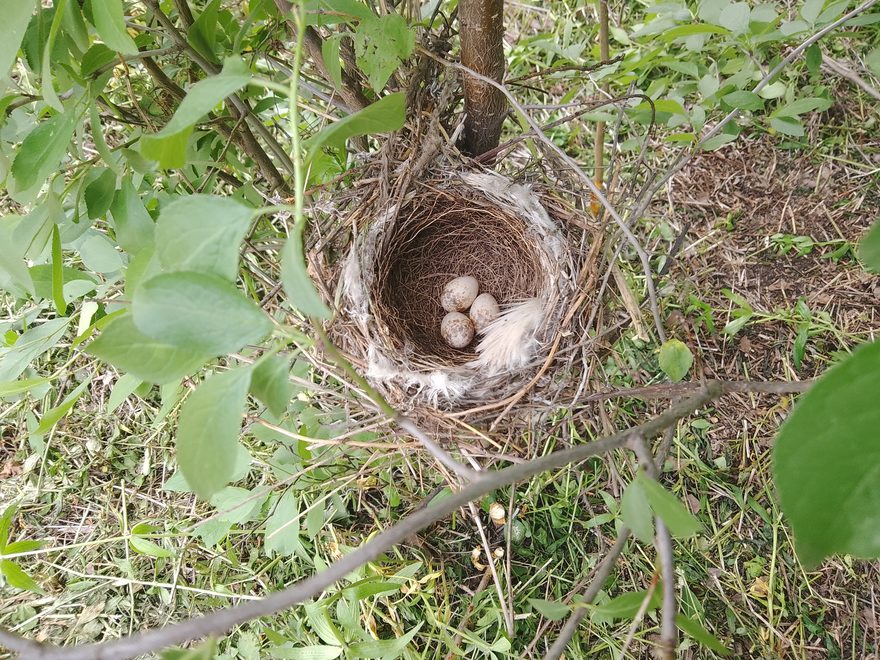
[468, 223]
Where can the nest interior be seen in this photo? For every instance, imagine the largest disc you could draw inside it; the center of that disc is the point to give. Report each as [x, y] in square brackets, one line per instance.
[440, 235]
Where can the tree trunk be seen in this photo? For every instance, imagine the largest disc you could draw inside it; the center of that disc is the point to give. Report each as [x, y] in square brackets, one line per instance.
[482, 29]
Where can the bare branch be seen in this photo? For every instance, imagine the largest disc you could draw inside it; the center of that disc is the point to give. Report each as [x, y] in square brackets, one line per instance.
[602, 572]
[350, 91]
[672, 390]
[238, 108]
[663, 542]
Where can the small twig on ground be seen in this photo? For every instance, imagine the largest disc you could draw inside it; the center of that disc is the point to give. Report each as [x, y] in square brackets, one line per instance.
[663, 541]
[840, 69]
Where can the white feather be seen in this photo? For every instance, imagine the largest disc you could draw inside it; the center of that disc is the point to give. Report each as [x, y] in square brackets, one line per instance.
[509, 342]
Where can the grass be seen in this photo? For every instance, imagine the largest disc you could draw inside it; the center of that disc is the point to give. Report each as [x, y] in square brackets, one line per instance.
[85, 486]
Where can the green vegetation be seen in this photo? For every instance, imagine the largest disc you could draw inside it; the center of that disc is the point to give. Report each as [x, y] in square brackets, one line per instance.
[177, 435]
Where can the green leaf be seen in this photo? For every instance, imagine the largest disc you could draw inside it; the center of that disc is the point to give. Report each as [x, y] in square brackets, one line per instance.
[16, 16]
[316, 652]
[717, 141]
[282, 535]
[735, 17]
[124, 388]
[271, 384]
[203, 34]
[58, 273]
[811, 10]
[550, 609]
[813, 59]
[682, 31]
[53, 416]
[680, 522]
[33, 343]
[201, 313]
[12, 256]
[237, 505]
[369, 589]
[168, 146]
[872, 59]
[695, 629]
[787, 126]
[380, 44]
[802, 106]
[99, 194]
[43, 149]
[134, 226]
[869, 249]
[636, 512]
[204, 651]
[626, 606]
[744, 100]
[737, 324]
[147, 547]
[385, 649]
[202, 233]
[99, 255]
[330, 53]
[17, 578]
[22, 546]
[6, 523]
[295, 277]
[127, 348]
[826, 462]
[207, 435]
[773, 90]
[49, 95]
[96, 57]
[110, 24]
[15, 387]
[675, 359]
[75, 26]
[385, 115]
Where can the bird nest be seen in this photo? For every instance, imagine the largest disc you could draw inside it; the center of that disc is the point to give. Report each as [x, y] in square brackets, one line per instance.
[441, 227]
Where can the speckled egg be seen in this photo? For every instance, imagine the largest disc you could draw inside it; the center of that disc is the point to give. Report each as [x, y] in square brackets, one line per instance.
[484, 310]
[457, 330]
[458, 295]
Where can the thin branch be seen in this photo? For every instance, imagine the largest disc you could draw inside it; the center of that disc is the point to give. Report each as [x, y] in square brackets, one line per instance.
[672, 390]
[221, 621]
[235, 102]
[663, 542]
[600, 576]
[604, 570]
[842, 70]
[350, 90]
[19, 645]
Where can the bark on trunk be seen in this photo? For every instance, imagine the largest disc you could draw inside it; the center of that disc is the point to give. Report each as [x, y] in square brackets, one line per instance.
[482, 29]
